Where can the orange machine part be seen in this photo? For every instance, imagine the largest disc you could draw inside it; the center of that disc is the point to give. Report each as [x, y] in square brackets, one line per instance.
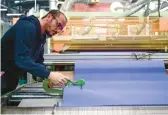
[163, 24]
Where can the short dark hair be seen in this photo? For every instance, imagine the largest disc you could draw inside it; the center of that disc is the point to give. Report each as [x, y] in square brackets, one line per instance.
[55, 13]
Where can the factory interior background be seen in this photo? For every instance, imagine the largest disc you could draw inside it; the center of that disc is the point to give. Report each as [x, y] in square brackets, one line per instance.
[102, 38]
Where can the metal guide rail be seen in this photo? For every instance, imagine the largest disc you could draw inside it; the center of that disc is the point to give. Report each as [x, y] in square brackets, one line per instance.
[117, 110]
[27, 91]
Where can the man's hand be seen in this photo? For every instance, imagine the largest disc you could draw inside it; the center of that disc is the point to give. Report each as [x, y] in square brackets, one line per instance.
[51, 84]
[57, 78]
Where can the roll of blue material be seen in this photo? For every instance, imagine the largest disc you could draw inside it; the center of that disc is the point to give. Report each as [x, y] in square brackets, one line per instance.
[110, 83]
[120, 70]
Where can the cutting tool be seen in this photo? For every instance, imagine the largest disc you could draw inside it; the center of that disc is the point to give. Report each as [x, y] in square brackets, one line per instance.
[49, 90]
[79, 82]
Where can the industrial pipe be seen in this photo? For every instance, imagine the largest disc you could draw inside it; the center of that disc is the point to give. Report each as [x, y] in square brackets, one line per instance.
[164, 5]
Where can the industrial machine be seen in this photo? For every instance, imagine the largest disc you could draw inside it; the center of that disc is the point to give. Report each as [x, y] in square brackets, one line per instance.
[93, 36]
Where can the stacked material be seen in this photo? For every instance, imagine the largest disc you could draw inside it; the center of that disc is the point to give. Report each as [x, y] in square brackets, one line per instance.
[118, 83]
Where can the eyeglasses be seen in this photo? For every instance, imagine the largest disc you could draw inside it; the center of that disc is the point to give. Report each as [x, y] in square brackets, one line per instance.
[59, 25]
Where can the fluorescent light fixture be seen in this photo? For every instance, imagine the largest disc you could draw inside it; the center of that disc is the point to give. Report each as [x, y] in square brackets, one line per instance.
[13, 14]
[3, 9]
[17, 1]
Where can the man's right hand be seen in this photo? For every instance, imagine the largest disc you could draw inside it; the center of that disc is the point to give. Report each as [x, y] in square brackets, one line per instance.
[58, 78]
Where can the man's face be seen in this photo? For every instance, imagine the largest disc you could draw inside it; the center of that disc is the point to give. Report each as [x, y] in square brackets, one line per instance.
[55, 25]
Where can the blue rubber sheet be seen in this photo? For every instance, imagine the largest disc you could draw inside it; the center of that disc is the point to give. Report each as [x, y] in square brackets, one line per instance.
[117, 93]
[118, 83]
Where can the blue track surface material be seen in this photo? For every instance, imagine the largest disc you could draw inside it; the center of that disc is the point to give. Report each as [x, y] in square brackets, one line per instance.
[118, 83]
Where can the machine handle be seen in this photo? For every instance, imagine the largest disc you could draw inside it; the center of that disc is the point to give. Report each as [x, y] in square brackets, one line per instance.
[49, 90]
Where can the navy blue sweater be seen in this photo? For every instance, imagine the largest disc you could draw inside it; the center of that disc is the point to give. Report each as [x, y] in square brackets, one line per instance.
[22, 47]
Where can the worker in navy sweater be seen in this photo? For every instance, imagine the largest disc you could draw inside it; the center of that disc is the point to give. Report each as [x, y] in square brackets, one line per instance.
[22, 49]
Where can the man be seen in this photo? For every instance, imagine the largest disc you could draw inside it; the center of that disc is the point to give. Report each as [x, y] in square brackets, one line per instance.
[22, 49]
